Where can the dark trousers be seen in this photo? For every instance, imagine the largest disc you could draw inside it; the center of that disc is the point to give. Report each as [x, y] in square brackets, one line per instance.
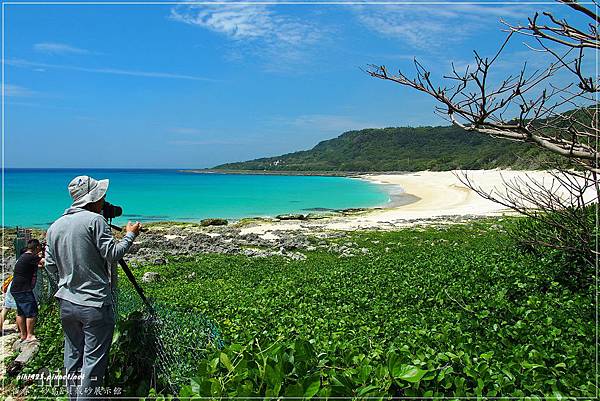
[88, 335]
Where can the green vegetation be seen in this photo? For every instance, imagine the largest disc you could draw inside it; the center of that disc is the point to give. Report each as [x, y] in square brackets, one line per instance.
[404, 149]
[456, 310]
[569, 242]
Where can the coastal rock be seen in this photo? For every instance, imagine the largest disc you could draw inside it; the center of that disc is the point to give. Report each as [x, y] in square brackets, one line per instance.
[352, 210]
[297, 256]
[326, 235]
[256, 253]
[249, 252]
[8, 264]
[204, 237]
[291, 244]
[319, 216]
[150, 277]
[213, 222]
[291, 217]
[293, 240]
[16, 346]
[28, 351]
[156, 247]
[232, 250]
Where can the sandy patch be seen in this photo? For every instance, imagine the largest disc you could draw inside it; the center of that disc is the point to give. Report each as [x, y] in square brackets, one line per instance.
[269, 236]
[436, 194]
[170, 237]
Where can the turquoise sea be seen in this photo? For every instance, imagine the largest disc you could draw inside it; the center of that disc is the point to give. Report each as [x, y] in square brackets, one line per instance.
[36, 197]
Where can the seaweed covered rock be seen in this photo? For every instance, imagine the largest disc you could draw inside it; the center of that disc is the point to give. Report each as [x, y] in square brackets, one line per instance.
[291, 217]
[213, 222]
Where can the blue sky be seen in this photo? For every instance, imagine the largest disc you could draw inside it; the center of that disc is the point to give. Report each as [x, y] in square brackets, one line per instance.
[174, 86]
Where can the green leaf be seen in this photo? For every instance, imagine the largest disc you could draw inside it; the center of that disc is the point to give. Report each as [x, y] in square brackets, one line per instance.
[273, 375]
[245, 390]
[527, 365]
[225, 361]
[196, 385]
[557, 394]
[394, 364]
[408, 373]
[487, 355]
[312, 385]
[116, 337]
[215, 387]
[367, 389]
[294, 390]
[213, 365]
[430, 375]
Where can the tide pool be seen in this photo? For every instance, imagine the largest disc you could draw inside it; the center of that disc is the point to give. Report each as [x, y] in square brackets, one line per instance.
[36, 197]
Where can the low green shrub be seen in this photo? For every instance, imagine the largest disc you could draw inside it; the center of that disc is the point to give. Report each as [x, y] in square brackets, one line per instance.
[567, 238]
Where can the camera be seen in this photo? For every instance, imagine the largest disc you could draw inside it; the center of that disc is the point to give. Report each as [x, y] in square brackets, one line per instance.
[110, 211]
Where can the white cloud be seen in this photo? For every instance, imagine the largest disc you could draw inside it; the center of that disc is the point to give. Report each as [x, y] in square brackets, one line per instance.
[18, 91]
[236, 21]
[245, 22]
[100, 70]
[281, 40]
[428, 26]
[58, 48]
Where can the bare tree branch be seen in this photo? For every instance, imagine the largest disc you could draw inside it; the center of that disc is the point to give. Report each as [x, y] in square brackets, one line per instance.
[473, 103]
[529, 107]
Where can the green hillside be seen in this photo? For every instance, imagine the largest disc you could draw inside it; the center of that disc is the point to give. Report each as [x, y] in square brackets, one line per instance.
[403, 149]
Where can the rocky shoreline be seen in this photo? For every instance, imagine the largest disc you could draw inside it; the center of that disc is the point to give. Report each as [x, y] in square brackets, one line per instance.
[163, 242]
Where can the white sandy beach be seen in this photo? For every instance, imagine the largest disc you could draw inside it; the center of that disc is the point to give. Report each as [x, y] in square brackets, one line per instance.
[439, 194]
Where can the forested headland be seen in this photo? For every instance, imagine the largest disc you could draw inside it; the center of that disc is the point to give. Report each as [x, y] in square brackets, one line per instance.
[404, 149]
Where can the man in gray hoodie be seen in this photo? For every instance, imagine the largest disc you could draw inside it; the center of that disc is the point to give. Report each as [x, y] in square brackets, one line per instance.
[82, 251]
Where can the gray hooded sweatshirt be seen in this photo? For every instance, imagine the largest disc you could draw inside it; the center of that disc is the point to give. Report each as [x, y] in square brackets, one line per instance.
[81, 250]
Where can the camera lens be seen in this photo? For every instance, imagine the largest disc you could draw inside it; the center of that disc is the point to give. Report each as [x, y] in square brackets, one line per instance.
[110, 211]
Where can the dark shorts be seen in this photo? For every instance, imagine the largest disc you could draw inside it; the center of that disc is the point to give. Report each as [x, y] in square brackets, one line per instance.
[26, 304]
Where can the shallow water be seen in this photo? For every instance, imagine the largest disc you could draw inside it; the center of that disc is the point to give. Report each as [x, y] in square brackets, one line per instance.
[36, 197]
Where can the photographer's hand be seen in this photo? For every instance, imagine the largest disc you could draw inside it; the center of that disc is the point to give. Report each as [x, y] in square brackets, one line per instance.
[134, 228]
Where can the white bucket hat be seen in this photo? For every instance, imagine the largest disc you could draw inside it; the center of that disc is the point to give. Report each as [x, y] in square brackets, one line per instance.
[85, 189]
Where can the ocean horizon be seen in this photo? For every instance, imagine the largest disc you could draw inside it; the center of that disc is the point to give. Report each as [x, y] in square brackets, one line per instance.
[35, 197]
